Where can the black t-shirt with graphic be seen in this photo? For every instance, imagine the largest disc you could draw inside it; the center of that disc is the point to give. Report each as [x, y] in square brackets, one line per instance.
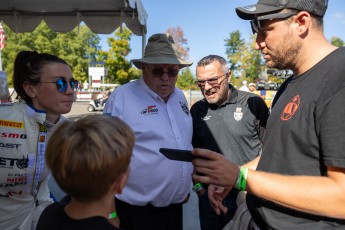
[305, 134]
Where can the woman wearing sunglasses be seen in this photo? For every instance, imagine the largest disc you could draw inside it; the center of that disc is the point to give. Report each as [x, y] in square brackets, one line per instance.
[45, 88]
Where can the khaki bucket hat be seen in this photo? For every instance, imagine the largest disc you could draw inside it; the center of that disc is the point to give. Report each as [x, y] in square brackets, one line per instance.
[160, 49]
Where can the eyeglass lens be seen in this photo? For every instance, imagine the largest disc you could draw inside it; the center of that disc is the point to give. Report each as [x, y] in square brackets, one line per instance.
[62, 84]
[159, 72]
[211, 81]
[256, 22]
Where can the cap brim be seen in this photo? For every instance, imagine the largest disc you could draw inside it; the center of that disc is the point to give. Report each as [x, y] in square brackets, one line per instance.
[249, 12]
[160, 60]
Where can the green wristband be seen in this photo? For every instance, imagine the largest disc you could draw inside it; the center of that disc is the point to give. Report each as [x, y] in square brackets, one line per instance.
[242, 179]
[197, 187]
[112, 215]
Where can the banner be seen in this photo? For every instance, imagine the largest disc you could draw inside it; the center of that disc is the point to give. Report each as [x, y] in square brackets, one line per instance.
[2, 37]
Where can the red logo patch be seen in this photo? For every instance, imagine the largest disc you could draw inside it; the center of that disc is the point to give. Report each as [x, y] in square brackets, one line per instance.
[291, 108]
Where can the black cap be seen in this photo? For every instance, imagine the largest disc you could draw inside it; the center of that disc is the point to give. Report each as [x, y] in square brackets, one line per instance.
[316, 7]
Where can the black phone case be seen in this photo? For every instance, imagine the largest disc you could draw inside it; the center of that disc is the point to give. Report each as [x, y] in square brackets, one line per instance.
[178, 154]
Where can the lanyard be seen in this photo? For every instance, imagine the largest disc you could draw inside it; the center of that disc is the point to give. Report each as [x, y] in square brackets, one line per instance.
[41, 147]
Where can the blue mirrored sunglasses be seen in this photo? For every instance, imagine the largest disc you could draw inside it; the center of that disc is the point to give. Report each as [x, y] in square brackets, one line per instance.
[62, 84]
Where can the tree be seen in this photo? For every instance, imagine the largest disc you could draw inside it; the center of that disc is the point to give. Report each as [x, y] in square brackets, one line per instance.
[234, 46]
[337, 41]
[181, 42]
[186, 80]
[251, 62]
[245, 62]
[119, 68]
[77, 47]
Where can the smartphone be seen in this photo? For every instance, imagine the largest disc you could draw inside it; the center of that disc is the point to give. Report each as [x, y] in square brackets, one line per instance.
[178, 154]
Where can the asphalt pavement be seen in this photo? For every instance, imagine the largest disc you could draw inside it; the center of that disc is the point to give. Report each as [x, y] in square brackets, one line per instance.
[190, 209]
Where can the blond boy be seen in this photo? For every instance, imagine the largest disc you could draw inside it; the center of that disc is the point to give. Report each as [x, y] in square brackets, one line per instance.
[89, 159]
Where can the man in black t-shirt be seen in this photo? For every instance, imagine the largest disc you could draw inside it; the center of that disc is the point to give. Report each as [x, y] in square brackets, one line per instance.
[299, 180]
[229, 121]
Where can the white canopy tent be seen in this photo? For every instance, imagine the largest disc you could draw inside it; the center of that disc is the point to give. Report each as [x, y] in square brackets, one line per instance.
[101, 16]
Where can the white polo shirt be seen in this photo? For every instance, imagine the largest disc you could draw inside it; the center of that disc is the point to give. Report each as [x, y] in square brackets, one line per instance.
[153, 178]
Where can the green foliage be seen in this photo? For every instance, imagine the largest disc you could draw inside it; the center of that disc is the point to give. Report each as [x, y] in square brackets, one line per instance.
[77, 47]
[119, 68]
[135, 73]
[234, 46]
[251, 62]
[186, 80]
[245, 62]
[337, 41]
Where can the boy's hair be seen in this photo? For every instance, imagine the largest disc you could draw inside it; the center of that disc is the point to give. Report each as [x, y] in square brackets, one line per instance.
[88, 155]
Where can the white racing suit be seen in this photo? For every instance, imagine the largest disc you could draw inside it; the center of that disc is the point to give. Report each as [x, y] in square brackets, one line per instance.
[24, 191]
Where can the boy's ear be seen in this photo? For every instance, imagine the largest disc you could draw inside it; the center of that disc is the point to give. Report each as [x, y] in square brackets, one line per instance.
[121, 182]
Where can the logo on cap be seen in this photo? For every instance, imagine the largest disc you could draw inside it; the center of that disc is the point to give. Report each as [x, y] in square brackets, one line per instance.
[251, 8]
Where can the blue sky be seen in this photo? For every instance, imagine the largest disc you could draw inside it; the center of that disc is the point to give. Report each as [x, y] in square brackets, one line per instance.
[207, 23]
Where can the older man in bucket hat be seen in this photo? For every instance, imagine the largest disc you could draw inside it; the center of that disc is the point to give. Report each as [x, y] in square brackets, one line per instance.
[158, 113]
[299, 180]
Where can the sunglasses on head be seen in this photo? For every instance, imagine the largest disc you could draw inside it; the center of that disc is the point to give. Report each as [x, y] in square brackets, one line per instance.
[62, 84]
[256, 22]
[160, 71]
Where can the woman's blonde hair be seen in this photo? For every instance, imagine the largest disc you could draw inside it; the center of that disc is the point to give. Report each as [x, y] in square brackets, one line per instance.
[88, 155]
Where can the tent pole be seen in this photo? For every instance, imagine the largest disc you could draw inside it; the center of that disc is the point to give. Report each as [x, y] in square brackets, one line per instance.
[143, 41]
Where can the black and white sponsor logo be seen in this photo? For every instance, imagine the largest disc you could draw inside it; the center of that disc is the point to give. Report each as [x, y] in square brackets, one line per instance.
[9, 145]
[6, 162]
[184, 107]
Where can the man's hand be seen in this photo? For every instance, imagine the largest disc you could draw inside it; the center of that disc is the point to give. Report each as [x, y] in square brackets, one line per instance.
[214, 169]
[216, 196]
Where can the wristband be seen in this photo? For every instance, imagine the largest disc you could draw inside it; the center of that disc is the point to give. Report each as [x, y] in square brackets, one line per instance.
[112, 215]
[241, 183]
[197, 187]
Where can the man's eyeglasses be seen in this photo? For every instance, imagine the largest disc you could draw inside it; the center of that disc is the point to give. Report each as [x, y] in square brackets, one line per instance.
[212, 81]
[160, 71]
[256, 22]
[62, 84]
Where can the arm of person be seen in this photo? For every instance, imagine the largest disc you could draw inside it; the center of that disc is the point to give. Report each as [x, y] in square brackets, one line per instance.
[115, 104]
[217, 194]
[319, 195]
[311, 194]
[252, 164]
[258, 107]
